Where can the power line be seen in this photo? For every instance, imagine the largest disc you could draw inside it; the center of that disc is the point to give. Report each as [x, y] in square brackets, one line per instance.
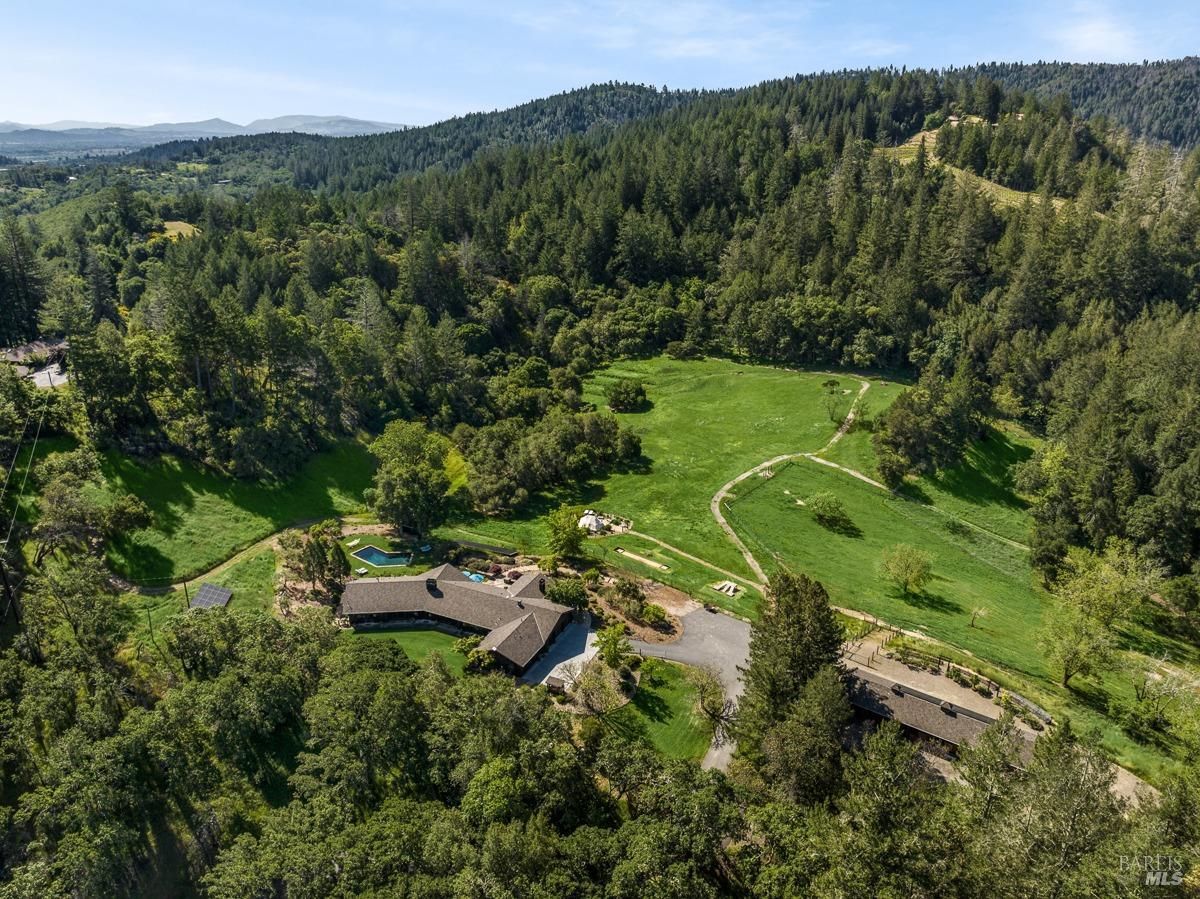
[16, 455]
[25, 478]
[17, 506]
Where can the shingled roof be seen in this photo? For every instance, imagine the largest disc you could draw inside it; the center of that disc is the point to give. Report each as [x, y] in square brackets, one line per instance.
[927, 714]
[518, 619]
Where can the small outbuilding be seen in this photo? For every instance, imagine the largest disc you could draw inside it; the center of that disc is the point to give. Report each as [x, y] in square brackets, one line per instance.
[593, 522]
[211, 596]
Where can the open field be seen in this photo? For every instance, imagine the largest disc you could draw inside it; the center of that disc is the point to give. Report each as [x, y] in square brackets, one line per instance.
[970, 568]
[252, 581]
[176, 229]
[417, 643]
[708, 421]
[202, 518]
[1001, 195]
[663, 713]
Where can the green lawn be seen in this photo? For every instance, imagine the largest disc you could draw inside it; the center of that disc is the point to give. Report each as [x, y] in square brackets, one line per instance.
[417, 643]
[202, 518]
[982, 488]
[970, 568]
[420, 562]
[663, 712]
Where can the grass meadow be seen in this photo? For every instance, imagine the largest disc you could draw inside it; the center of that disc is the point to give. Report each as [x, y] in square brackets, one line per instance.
[201, 518]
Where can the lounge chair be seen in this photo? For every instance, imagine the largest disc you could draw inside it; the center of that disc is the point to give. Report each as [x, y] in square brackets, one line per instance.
[353, 543]
[360, 571]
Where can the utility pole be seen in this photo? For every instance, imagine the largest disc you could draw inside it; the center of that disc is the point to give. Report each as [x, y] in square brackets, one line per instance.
[8, 591]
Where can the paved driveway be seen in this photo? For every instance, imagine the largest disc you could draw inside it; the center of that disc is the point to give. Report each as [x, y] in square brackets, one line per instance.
[709, 639]
[577, 643]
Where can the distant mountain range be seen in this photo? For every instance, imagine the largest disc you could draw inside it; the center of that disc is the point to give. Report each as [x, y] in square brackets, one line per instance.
[78, 138]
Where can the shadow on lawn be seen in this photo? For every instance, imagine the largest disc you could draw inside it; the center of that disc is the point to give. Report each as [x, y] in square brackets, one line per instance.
[651, 705]
[986, 476]
[170, 487]
[933, 602]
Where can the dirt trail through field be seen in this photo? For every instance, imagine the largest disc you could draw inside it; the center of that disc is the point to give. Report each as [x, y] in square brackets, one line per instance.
[686, 555]
[714, 505]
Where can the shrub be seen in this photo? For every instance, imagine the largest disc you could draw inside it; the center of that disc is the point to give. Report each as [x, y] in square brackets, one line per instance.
[626, 395]
[654, 614]
[629, 597]
[568, 592]
[479, 661]
[465, 645]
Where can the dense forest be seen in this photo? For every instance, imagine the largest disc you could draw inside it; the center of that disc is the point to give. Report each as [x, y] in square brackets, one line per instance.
[1020, 262]
[1156, 100]
[359, 163]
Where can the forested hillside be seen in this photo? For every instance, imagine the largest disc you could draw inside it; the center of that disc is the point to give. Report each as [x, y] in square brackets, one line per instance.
[1157, 100]
[469, 277]
[760, 224]
[361, 162]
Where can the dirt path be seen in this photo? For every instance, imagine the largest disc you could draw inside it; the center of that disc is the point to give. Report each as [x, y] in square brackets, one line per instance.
[714, 505]
[686, 555]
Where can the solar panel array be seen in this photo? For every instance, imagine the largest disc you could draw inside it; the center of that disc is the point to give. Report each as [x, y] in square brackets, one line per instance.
[210, 596]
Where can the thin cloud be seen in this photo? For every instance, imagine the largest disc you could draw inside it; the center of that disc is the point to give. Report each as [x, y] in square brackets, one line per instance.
[708, 29]
[1092, 33]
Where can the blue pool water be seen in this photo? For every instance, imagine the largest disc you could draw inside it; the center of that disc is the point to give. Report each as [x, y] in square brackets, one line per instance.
[373, 555]
[477, 578]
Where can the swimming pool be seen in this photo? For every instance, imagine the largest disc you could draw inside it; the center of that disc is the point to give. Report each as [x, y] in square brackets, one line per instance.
[381, 558]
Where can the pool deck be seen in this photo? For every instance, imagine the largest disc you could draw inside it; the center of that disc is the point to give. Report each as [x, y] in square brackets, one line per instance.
[395, 559]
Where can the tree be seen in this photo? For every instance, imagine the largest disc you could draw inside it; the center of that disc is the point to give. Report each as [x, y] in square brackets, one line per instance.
[569, 592]
[1062, 822]
[832, 389]
[987, 767]
[1107, 586]
[22, 283]
[411, 484]
[796, 636]
[1076, 644]
[802, 755]
[829, 511]
[977, 613]
[612, 646]
[717, 708]
[891, 832]
[596, 688]
[626, 395]
[78, 595]
[907, 567]
[566, 536]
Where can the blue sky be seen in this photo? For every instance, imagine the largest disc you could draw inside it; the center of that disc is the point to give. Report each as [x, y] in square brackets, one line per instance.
[142, 62]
